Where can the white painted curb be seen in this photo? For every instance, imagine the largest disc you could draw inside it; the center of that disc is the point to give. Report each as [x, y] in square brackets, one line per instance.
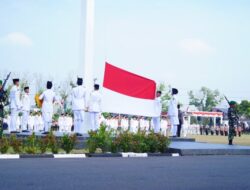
[69, 156]
[175, 154]
[9, 156]
[134, 155]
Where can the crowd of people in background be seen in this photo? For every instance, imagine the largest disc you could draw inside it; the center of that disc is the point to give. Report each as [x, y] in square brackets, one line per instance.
[65, 123]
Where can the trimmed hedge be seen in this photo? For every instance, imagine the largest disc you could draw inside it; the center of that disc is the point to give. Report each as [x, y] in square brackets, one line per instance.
[114, 141]
[37, 145]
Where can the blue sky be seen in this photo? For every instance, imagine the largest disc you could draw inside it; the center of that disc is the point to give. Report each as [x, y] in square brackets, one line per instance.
[186, 43]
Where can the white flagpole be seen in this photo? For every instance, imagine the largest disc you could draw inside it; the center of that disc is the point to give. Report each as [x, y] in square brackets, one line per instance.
[87, 32]
[87, 51]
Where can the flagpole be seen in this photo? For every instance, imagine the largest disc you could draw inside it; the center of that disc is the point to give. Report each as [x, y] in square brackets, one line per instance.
[87, 42]
[87, 51]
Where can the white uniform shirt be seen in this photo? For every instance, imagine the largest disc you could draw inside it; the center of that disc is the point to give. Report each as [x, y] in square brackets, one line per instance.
[114, 123]
[108, 122]
[26, 102]
[48, 97]
[172, 108]
[95, 101]
[78, 98]
[142, 124]
[124, 123]
[15, 102]
[158, 106]
[134, 125]
[164, 124]
[146, 123]
[61, 122]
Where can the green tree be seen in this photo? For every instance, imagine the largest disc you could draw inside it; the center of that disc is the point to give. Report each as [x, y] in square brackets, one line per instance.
[244, 108]
[165, 97]
[205, 99]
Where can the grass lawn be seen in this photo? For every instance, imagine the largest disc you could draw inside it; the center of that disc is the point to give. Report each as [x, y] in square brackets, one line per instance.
[243, 140]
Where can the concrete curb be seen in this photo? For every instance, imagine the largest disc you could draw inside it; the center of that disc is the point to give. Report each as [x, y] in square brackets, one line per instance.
[9, 156]
[103, 155]
[69, 156]
[134, 155]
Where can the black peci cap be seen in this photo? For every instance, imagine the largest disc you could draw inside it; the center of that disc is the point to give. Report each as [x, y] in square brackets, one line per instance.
[79, 81]
[49, 85]
[174, 91]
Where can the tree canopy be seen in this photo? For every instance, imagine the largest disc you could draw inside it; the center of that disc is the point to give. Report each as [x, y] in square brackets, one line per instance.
[165, 97]
[205, 99]
[244, 108]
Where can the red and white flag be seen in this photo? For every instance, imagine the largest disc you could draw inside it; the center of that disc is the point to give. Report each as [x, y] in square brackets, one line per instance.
[127, 93]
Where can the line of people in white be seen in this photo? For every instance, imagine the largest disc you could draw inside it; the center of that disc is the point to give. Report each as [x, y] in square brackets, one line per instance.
[35, 123]
[82, 102]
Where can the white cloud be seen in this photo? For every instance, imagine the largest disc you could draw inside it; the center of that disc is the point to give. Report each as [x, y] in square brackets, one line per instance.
[17, 38]
[196, 46]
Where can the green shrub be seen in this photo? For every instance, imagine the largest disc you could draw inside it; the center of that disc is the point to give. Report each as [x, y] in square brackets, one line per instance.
[43, 145]
[16, 144]
[123, 142]
[163, 142]
[152, 142]
[139, 142]
[100, 139]
[68, 142]
[4, 145]
[53, 145]
[30, 144]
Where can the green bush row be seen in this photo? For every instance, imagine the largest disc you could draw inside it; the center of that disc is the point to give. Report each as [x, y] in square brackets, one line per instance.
[33, 144]
[115, 141]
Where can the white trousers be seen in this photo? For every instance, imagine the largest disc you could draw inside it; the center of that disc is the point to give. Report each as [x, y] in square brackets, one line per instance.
[13, 120]
[36, 128]
[185, 130]
[174, 130]
[78, 121]
[47, 120]
[94, 120]
[157, 124]
[25, 118]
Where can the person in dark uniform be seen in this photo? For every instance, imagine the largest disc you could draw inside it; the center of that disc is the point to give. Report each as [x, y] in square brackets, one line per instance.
[180, 116]
[233, 121]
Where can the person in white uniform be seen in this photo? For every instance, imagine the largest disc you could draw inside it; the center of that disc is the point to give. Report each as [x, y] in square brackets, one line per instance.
[158, 107]
[164, 126]
[69, 123]
[31, 122]
[25, 109]
[78, 106]
[48, 98]
[94, 107]
[134, 125]
[15, 105]
[124, 123]
[173, 112]
[185, 127]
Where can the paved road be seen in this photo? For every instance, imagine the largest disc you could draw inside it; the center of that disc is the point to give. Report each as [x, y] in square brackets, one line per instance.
[184, 173]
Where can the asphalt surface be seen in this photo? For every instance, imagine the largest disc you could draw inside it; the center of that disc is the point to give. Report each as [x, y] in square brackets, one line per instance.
[184, 173]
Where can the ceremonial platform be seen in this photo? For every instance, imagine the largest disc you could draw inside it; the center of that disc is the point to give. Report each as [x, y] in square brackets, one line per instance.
[199, 149]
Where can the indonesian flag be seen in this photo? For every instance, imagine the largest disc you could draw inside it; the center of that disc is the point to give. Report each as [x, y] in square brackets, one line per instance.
[127, 93]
